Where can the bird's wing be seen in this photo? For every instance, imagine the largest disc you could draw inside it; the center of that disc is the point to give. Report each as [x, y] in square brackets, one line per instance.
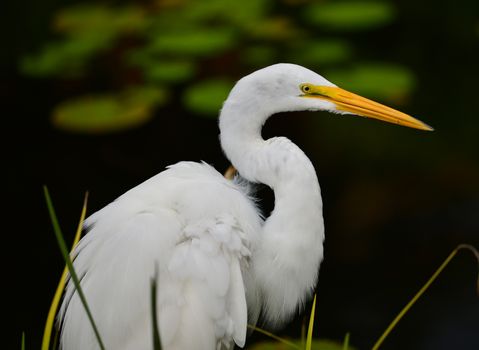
[205, 267]
[198, 251]
[115, 270]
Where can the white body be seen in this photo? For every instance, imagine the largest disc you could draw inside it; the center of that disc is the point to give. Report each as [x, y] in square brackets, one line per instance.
[219, 264]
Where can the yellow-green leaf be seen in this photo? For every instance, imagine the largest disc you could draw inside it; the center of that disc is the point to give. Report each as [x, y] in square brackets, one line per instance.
[61, 284]
[94, 114]
[349, 15]
[99, 18]
[315, 345]
[309, 336]
[320, 52]
[170, 71]
[259, 56]
[207, 97]
[198, 42]
[379, 80]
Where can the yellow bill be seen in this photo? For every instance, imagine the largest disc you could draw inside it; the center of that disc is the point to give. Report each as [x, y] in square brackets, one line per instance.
[355, 104]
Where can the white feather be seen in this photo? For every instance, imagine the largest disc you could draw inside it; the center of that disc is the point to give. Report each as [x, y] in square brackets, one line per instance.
[219, 265]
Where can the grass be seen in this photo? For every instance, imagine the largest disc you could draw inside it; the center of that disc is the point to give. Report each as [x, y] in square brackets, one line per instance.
[23, 341]
[309, 337]
[423, 289]
[306, 345]
[61, 284]
[154, 320]
[66, 256]
[346, 341]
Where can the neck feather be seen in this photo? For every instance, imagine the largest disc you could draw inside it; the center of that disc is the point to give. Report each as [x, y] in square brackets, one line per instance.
[286, 262]
[278, 163]
[275, 162]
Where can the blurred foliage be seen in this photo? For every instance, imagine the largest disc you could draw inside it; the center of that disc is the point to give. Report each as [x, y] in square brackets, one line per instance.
[88, 30]
[109, 112]
[207, 96]
[382, 80]
[350, 15]
[196, 49]
[316, 345]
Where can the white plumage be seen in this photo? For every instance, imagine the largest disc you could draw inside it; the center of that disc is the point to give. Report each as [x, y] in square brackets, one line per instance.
[219, 263]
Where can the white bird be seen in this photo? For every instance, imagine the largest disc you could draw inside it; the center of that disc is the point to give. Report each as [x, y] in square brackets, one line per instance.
[220, 264]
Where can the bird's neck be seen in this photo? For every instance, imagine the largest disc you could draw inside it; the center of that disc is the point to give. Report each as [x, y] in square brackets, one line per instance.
[276, 162]
[283, 166]
[287, 260]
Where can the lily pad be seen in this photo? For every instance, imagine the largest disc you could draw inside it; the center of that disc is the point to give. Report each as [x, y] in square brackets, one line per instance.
[91, 29]
[320, 52]
[259, 56]
[67, 58]
[207, 97]
[236, 12]
[276, 28]
[78, 19]
[98, 114]
[169, 71]
[199, 42]
[350, 15]
[379, 80]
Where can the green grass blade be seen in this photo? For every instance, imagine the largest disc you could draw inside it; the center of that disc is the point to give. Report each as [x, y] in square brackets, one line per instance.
[66, 257]
[303, 332]
[309, 337]
[23, 341]
[47, 333]
[154, 319]
[423, 289]
[274, 336]
[55, 340]
[346, 342]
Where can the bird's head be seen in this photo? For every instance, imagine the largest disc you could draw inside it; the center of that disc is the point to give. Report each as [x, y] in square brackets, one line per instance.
[288, 87]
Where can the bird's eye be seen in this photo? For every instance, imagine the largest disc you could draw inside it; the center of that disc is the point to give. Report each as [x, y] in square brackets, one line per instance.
[305, 88]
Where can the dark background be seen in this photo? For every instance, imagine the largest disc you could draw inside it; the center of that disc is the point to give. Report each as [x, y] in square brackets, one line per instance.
[397, 201]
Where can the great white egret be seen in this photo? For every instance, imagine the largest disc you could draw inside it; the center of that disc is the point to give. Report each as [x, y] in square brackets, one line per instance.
[220, 264]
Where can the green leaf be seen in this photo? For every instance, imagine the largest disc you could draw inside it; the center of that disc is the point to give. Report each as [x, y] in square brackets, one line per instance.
[281, 341]
[276, 28]
[169, 71]
[61, 286]
[106, 113]
[243, 13]
[349, 15]
[379, 80]
[270, 345]
[207, 97]
[199, 42]
[239, 13]
[259, 56]
[346, 342]
[66, 256]
[328, 345]
[90, 30]
[23, 341]
[98, 18]
[315, 345]
[67, 57]
[309, 336]
[320, 52]
[48, 62]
